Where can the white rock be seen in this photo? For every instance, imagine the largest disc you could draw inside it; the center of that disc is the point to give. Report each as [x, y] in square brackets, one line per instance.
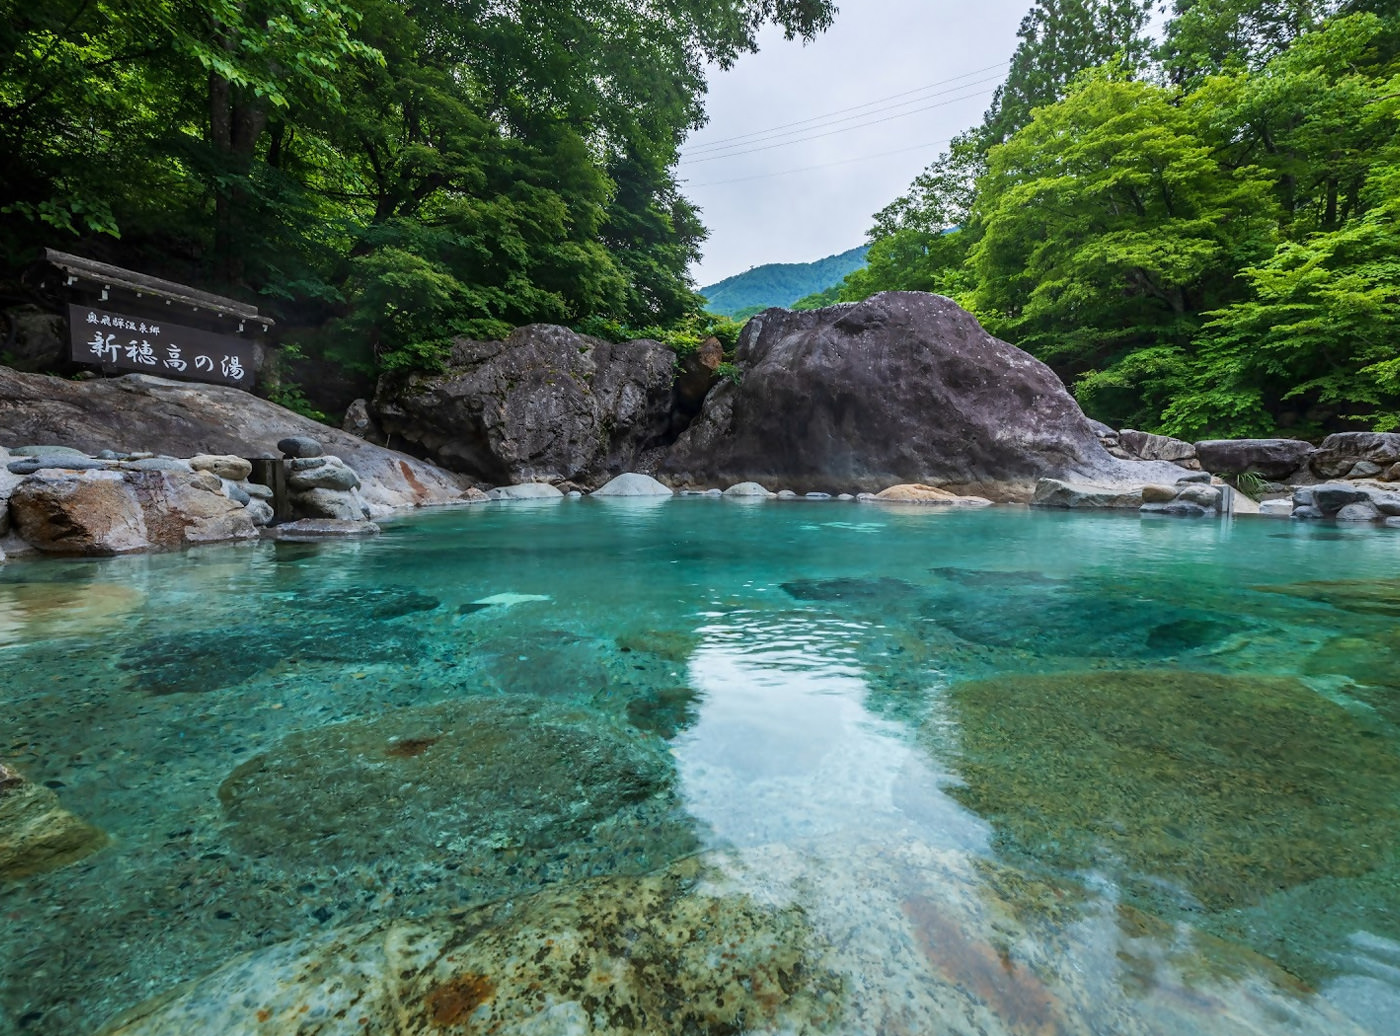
[748, 489]
[1276, 508]
[632, 484]
[527, 491]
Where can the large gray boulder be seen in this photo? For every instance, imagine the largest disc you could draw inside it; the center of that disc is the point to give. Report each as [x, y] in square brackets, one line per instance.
[1339, 454]
[182, 419]
[544, 404]
[905, 387]
[1271, 458]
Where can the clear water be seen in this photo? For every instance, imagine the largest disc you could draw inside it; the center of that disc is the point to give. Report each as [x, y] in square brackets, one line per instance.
[1168, 751]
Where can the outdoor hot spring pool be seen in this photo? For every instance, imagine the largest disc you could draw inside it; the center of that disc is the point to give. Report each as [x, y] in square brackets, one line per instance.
[710, 767]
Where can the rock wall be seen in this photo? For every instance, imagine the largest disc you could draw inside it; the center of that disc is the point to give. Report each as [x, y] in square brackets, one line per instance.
[905, 387]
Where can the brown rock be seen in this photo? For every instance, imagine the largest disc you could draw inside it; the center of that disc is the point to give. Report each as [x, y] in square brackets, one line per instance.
[36, 833]
[919, 494]
[93, 513]
[1158, 494]
[235, 469]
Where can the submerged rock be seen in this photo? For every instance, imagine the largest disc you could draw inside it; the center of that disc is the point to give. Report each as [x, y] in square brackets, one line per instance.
[36, 832]
[1229, 787]
[1370, 596]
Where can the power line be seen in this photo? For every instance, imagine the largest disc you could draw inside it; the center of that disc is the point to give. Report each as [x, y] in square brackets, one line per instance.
[718, 144]
[824, 165]
[834, 132]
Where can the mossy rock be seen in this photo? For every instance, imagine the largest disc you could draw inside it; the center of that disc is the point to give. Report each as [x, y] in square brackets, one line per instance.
[1229, 787]
[469, 780]
[672, 645]
[36, 832]
[665, 711]
[883, 590]
[1368, 596]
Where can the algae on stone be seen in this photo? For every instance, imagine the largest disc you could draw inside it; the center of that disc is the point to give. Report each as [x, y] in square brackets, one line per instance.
[36, 832]
[1368, 596]
[1227, 787]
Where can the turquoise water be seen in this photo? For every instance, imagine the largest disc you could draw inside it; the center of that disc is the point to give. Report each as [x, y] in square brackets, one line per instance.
[1164, 755]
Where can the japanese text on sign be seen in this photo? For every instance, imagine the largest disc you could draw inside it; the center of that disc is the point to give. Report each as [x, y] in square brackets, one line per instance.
[128, 343]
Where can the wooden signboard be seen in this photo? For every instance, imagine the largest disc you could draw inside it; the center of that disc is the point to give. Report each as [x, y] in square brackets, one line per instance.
[121, 342]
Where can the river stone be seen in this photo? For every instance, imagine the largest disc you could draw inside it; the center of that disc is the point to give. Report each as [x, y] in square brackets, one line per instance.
[748, 489]
[306, 529]
[305, 463]
[468, 778]
[57, 462]
[1364, 511]
[632, 484]
[340, 504]
[1104, 771]
[1177, 509]
[45, 451]
[786, 494]
[36, 832]
[1331, 497]
[235, 469]
[1271, 458]
[1276, 508]
[261, 512]
[1052, 492]
[1156, 447]
[156, 464]
[919, 494]
[300, 446]
[525, 491]
[257, 490]
[1201, 496]
[334, 474]
[95, 514]
[236, 493]
[904, 387]
[1154, 494]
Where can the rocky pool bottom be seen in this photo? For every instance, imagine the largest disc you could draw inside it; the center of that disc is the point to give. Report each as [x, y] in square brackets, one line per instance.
[707, 767]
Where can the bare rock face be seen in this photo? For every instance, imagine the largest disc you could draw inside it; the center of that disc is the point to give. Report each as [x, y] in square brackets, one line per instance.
[1341, 453]
[1271, 458]
[98, 513]
[36, 833]
[180, 419]
[905, 387]
[545, 404]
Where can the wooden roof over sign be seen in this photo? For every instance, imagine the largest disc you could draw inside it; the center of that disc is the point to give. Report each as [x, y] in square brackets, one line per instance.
[109, 277]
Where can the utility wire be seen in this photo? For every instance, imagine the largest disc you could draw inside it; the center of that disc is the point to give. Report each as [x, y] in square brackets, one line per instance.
[824, 165]
[834, 132]
[718, 144]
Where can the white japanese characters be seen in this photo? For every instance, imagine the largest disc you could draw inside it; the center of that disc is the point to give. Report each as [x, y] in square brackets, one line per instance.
[118, 340]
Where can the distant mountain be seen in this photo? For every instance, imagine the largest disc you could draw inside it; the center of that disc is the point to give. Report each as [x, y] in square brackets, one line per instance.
[779, 284]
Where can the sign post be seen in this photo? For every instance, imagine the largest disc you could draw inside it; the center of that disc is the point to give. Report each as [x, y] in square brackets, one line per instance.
[119, 342]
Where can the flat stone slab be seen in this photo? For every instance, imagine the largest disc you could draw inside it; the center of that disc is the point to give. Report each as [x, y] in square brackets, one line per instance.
[320, 529]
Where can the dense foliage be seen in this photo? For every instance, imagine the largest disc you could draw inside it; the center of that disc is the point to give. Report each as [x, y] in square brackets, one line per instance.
[1202, 238]
[386, 173]
[778, 284]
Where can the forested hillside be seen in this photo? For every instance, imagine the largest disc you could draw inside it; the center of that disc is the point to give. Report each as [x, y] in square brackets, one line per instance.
[1201, 236]
[779, 284]
[379, 175]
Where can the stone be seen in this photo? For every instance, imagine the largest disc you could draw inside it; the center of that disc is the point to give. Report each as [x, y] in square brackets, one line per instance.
[1178, 509]
[545, 404]
[36, 832]
[525, 491]
[747, 489]
[1391, 474]
[905, 387]
[695, 376]
[632, 484]
[1363, 511]
[358, 421]
[334, 474]
[786, 494]
[108, 455]
[474, 496]
[320, 529]
[920, 494]
[1147, 446]
[1391, 523]
[342, 504]
[1270, 458]
[184, 419]
[1158, 494]
[260, 511]
[45, 451]
[1306, 511]
[1331, 497]
[1052, 492]
[257, 490]
[305, 463]
[85, 514]
[1364, 469]
[236, 493]
[235, 469]
[1340, 452]
[156, 464]
[845, 497]
[1276, 508]
[63, 462]
[816, 496]
[1202, 496]
[300, 446]
[1102, 430]
[1194, 476]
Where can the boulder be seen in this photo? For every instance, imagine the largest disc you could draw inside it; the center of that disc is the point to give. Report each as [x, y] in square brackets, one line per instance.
[918, 494]
[1147, 446]
[525, 491]
[140, 412]
[36, 832]
[340, 504]
[1154, 494]
[1346, 501]
[1364, 469]
[544, 404]
[633, 484]
[747, 489]
[359, 423]
[332, 473]
[120, 512]
[1053, 492]
[1271, 458]
[46, 451]
[235, 469]
[1341, 452]
[904, 387]
[260, 511]
[1276, 508]
[62, 462]
[1362, 511]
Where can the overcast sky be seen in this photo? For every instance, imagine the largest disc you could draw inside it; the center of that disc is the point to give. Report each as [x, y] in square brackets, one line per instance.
[887, 59]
